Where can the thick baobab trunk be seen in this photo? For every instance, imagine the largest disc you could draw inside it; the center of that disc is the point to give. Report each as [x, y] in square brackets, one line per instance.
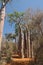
[22, 45]
[19, 41]
[2, 24]
[25, 45]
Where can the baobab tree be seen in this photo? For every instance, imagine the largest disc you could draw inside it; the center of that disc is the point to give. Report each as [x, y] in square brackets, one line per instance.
[33, 24]
[27, 21]
[2, 17]
[2, 24]
[17, 18]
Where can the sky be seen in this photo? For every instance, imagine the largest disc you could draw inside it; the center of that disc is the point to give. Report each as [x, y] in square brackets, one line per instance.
[21, 6]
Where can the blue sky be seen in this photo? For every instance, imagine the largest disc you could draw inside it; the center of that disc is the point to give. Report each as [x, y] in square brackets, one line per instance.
[20, 5]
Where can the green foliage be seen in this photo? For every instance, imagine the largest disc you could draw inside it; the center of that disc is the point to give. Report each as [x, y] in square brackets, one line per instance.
[18, 14]
[15, 18]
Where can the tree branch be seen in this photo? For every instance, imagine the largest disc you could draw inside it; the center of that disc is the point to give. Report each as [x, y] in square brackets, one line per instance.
[3, 5]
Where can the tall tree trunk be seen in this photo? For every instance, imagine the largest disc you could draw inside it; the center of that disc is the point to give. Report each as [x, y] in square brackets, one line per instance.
[32, 51]
[2, 24]
[19, 41]
[29, 40]
[22, 45]
[25, 45]
[15, 45]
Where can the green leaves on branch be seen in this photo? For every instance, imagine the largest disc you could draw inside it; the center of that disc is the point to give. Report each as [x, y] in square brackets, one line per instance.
[15, 18]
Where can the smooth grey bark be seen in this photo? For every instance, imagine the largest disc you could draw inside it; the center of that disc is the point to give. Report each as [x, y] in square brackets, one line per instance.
[19, 40]
[22, 44]
[2, 24]
[25, 44]
[29, 42]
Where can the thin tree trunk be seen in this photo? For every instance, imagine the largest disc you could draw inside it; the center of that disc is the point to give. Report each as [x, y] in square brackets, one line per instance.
[2, 24]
